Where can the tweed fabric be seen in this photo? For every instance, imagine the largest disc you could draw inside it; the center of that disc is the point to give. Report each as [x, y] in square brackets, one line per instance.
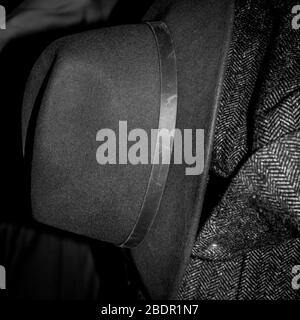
[249, 241]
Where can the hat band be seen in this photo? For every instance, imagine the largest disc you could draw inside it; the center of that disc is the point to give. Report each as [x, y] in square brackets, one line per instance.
[167, 121]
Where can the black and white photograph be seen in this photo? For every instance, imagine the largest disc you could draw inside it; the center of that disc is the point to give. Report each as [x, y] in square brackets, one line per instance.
[150, 154]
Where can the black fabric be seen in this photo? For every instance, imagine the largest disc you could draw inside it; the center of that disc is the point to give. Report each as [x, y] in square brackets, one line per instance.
[249, 241]
[43, 264]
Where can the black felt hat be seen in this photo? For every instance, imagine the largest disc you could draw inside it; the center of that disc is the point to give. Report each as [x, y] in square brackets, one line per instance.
[153, 75]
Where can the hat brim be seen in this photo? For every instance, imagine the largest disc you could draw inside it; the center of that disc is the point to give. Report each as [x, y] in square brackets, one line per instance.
[201, 33]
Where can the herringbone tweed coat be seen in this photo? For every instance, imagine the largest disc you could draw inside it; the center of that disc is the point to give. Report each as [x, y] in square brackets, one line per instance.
[249, 240]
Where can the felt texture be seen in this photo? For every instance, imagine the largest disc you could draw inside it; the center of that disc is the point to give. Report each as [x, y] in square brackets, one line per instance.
[96, 79]
[91, 81]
